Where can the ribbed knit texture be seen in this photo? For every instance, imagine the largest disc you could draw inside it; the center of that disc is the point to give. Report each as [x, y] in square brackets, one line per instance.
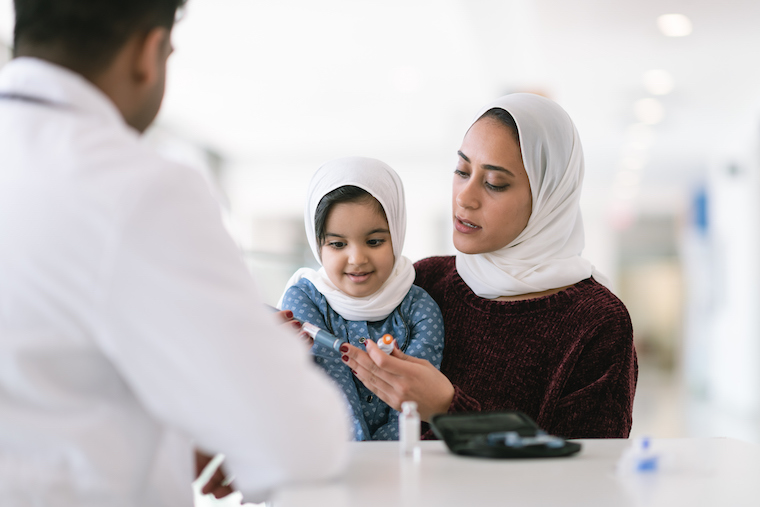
[567, 360]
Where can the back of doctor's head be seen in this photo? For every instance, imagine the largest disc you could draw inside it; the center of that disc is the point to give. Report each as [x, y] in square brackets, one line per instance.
[85, 35]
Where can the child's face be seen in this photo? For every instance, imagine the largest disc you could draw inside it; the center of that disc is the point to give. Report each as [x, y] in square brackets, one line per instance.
[358, 253]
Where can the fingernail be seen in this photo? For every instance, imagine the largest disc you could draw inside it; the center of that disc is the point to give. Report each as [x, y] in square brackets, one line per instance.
[296, 325]
[289, 314]
[345, 359]
[344, 348]
[353, 371]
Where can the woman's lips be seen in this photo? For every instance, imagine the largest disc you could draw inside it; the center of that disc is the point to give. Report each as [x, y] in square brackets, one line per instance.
[464, 226]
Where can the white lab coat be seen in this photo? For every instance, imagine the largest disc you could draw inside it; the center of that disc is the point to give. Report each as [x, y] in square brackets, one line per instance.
[130, 328]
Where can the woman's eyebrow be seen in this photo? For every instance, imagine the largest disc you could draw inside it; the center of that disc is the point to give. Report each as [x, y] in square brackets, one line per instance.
[487, 167]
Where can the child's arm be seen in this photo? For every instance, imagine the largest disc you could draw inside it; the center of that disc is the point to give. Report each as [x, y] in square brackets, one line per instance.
[298, 300]
[425, 342]
[426, 330]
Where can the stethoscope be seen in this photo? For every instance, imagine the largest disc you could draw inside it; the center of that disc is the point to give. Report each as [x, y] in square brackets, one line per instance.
[28, 99]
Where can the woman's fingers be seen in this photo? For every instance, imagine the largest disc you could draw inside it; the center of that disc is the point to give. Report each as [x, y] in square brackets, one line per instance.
[362, 363]
[284, 315]
[396, 363]
[374, 361]
[366, 370]
[397, 378]
[388, 376]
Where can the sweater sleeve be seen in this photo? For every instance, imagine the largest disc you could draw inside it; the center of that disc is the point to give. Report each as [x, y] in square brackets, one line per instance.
[460, 403]
[597, 401]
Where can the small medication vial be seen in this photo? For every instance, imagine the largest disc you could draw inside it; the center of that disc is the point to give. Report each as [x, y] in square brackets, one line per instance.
[409, 428]
[386, 343]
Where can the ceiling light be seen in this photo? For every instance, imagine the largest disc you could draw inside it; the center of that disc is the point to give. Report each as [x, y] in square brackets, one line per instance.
[648, 111]
[658, 82]
[674, 25]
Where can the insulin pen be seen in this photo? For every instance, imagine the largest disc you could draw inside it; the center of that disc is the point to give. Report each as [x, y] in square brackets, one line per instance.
[319, 335]
[322, 337]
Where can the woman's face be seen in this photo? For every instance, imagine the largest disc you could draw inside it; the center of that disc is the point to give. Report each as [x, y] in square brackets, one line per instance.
[491, 192]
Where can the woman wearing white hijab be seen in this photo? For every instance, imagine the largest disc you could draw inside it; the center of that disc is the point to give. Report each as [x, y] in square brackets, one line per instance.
[355, 220]
[528, 324]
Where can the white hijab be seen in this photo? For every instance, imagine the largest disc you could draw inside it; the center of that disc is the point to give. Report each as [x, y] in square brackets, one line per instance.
[546, 254]
[383, 184]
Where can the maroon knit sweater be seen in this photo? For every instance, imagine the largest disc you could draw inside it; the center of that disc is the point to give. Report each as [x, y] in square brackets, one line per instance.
[567, 360]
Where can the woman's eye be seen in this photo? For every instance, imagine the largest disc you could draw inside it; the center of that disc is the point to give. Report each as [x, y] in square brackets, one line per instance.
[460, 173]
[497, 188]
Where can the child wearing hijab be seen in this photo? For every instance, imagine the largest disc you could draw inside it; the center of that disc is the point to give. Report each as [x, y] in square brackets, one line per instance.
[355, 220]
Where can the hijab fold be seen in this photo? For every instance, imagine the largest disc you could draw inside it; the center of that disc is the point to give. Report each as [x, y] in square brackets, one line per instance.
[383, 184]
[547, 253]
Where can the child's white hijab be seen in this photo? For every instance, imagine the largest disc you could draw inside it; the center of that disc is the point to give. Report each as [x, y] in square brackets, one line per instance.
[546, 254]
[383, 184]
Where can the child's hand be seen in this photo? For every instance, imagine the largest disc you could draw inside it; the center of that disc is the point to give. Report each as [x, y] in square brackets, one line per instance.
[286, 316]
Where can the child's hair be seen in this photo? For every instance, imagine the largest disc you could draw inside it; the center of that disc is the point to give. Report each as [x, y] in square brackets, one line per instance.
[344, 194]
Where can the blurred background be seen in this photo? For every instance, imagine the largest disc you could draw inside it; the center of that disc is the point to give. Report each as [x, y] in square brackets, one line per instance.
[665, 95]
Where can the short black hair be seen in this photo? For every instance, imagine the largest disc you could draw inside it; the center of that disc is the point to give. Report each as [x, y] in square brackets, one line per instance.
[344, 194]
[506, 119]
[88, 32]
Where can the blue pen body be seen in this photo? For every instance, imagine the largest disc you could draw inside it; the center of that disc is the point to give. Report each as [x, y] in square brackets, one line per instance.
[323, 337]
[319, 335]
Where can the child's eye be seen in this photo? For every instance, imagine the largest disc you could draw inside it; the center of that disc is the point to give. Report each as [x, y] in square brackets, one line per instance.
[375, 242]
[336, 244]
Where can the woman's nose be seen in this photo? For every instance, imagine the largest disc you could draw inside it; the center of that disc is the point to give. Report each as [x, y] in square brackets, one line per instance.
[466, 195]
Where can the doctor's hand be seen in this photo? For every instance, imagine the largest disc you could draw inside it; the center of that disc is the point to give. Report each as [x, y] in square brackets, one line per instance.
[396, 378]
[218, 485]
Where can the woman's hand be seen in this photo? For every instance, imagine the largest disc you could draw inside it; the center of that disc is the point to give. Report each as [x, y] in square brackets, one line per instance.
[396, 378]
[286, 316]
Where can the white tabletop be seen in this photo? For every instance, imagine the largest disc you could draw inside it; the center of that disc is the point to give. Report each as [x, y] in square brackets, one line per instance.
[695, 472]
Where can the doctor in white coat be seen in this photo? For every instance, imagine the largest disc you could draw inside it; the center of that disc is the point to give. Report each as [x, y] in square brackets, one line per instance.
[131, 333]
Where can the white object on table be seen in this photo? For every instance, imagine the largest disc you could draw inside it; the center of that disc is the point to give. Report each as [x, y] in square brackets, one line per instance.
[409, 428]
